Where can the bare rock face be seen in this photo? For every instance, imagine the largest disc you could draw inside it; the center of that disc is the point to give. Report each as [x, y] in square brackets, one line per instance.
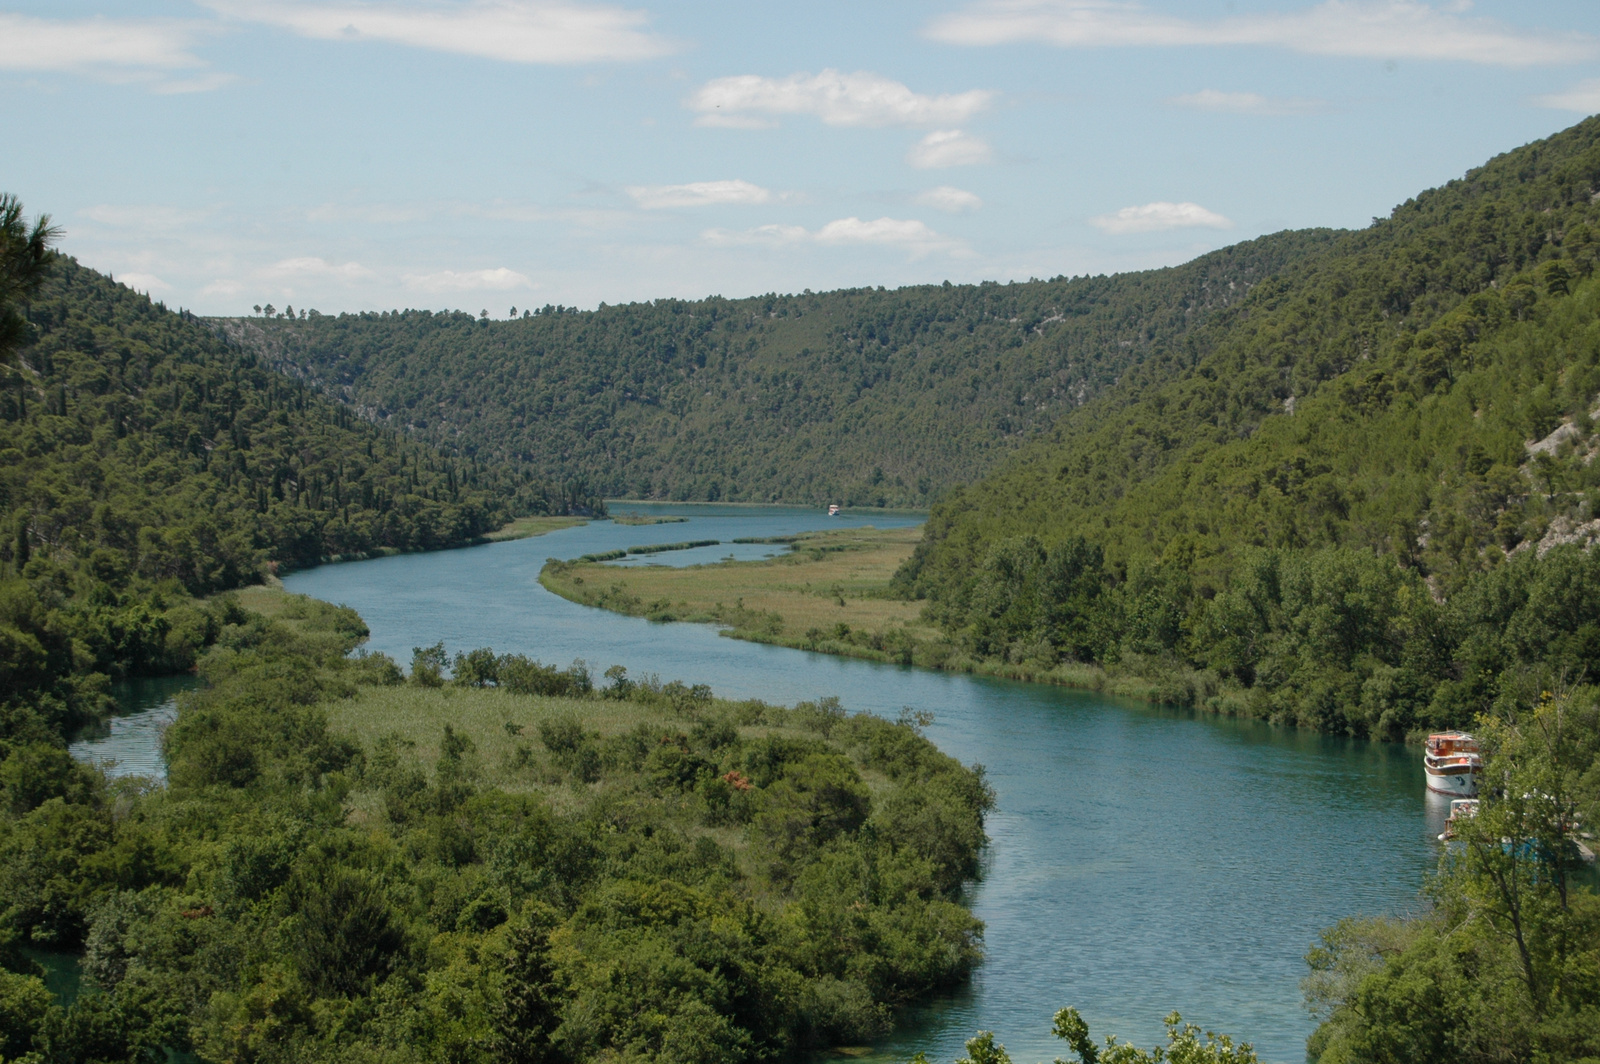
[1565, 530]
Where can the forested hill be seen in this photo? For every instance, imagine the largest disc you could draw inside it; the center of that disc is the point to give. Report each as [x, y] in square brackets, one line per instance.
[144, 460]
[1342, 507]
[866, 396]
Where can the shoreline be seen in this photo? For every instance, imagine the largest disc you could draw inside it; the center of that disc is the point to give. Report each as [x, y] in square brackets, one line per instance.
[507, 533]
[850, 510]
[787, 601]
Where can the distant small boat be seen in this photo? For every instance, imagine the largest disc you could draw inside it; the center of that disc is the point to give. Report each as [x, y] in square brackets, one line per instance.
[1452, 764]
[1460, 809]
[833, 509]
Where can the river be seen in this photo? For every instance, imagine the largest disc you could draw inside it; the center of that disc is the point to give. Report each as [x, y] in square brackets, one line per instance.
[1144, 858]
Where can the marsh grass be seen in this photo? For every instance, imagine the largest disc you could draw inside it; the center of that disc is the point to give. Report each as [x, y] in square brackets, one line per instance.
[830, 594]
[647, 519]
[524, 527]
[825, 580]
[418, 715]
[508, 754]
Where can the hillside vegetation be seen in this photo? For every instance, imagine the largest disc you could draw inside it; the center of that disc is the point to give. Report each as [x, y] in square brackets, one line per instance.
[866, 397]
[513, 866]
[143, 460]
[1334, 515]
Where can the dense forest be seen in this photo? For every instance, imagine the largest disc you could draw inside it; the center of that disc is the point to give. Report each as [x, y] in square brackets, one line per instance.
[704, 882]
[866, 397]
[1362, 506]
[144, 461]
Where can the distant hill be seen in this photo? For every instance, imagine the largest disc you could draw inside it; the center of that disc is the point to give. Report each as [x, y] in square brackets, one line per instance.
[1335, 505]
[867, 397]
[144, 460]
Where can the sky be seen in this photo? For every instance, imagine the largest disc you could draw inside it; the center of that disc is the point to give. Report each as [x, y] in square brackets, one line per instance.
[491, 154]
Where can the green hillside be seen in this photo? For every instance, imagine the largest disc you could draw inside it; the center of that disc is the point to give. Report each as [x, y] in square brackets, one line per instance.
[144, 460]
[1335, 508]
[869, 397]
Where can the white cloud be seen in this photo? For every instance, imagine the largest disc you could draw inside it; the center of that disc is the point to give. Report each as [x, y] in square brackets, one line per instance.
[1248, 103]
[139, 51]
[1373, 29]
[370, 213]
[859, 99]
[910, 234]
[516, 31]
[148, 283]
[948, 147]
[1583, 97]
[143, 216]
[222, 287]
[718, 120]
[948, 198]
[311, 266]
[496, 280]
[698, 194]
[1155, 217]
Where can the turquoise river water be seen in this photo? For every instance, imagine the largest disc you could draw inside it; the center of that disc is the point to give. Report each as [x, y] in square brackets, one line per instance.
[1144, 859]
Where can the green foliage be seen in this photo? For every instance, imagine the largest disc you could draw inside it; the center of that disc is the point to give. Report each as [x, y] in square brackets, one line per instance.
[1314, 510]
[1185, 1045]
[1505, 967]
[720, 882]
[145, 460]
[24, 261]
[865, 397]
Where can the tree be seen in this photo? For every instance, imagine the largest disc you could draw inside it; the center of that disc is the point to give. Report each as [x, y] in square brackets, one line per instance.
[428, 665]
[1184, 1046]
[529, 1008]
[1519, 855]
[24, 261]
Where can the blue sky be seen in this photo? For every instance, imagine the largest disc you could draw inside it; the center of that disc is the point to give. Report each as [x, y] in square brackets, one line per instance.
[484, 154]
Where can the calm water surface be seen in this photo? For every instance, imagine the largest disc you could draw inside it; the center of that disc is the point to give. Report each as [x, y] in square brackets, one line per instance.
[129, 744]
[1144, 860]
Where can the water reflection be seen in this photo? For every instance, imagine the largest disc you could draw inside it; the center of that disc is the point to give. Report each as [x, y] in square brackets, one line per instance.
[129, 743]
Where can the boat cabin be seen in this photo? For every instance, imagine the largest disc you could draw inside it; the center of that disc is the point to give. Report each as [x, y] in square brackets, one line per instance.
[1444, 744]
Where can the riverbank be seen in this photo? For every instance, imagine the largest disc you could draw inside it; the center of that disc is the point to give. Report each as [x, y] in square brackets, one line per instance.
[518, 528]
[831, 594]
[854, 511]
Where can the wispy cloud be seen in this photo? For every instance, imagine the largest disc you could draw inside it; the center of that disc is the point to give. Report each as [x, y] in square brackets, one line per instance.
[496, 280]
[370, 213]
[147, 283]
[749, 101]
[1584, 97]
[909, 234]
[314, 267]
[698, 194]
[949, 199]
[1248, 103]
[944, 148]
[152, 217]
[1156, 217]
[515, 31]
[148, 52]
[1374, 29]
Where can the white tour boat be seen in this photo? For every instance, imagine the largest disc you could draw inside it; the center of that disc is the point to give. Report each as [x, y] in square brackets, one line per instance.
[833, 510]
[1452, 764]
